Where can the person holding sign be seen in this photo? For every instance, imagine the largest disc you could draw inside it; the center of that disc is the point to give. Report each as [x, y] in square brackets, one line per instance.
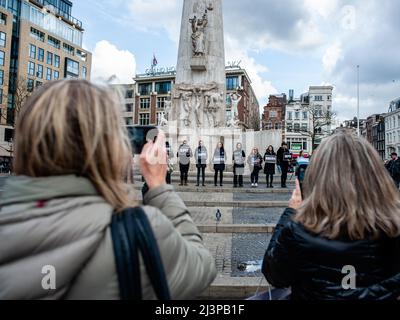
[284, 157]
[239, 158]
[184, 155]
[270, 162]
[219, 163]
[201, 156]
[255, 162]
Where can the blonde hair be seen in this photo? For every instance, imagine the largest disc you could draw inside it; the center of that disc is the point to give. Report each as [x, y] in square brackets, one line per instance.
[348, 192]
[73, 127]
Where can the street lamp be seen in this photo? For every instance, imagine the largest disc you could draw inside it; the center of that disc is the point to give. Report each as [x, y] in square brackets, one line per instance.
[358, 100]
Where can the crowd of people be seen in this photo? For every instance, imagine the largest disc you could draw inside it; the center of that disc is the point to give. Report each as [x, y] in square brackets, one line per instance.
[70, 207]
[283, 158]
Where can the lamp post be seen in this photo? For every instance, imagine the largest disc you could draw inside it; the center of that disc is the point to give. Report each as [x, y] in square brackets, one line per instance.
[358, 100]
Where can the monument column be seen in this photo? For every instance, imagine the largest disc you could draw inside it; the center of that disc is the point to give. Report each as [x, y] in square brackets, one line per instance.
[199, 95]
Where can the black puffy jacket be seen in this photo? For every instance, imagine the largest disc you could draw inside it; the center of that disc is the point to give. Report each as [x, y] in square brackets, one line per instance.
[312, 266]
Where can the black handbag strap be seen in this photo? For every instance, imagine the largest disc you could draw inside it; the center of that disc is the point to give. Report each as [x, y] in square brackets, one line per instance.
[131, 231]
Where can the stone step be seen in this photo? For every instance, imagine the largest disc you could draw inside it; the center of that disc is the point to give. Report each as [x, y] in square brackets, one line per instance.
[237, 228]
[225, 288]
[227, 189]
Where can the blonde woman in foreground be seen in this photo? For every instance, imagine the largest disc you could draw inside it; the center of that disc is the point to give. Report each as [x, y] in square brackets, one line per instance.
[342, 240]
[72, 155]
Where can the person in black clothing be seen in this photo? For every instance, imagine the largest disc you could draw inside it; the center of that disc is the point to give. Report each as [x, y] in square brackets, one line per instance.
[270, 163]
[184, 154]
[283, 158]
[219, 163]
[342, 240]
[239, 158]
[201, 156]
[255, 162]
[393, 166]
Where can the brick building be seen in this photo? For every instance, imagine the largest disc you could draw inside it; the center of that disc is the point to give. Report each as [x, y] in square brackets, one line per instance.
[274, 112]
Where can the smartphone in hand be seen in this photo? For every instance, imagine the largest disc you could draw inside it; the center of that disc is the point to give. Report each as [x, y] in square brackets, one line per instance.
[140, 135]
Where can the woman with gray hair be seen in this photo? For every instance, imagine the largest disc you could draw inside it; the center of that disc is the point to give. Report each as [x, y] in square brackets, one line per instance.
[340, 238]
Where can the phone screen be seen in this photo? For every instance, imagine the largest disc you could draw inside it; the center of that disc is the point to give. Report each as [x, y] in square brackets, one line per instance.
[140, 135]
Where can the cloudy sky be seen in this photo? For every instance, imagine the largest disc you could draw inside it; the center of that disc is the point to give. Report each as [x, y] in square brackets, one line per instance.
[283, 44]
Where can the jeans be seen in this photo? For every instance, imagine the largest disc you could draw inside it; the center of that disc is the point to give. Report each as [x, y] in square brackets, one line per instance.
[184, 168]
[221, 176]
[254, 175]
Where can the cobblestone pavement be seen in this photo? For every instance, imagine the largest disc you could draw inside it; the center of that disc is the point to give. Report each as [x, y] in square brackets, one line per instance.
[220, 245]
[256, 215]
[261, 197]
[248, 252]
[206, 216]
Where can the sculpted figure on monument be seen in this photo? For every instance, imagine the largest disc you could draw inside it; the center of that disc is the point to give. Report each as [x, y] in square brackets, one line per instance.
[198, 35]
[235, 98]
[215, 101]
[165, 115]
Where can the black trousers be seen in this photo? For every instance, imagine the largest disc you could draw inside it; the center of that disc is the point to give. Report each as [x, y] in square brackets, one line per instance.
[255, 175]
[238, 176]
[168, 179]
[184, 169]
[221, 176]
[270, 179]
[285, 169]
[201, 170]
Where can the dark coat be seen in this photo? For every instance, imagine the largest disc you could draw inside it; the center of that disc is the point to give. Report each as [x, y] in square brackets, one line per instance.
[219, 159]
[312, 266]
[281, 157]
[269, 168]
[393, 166]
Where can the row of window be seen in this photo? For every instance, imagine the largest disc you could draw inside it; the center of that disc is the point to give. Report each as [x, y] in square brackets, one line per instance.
[391, 137]
[37, 71]
[392, 122]
[51, 59]
[296, 127]
[3, 39]
[321, 98]
[145, 103]
[164, 87]
[297, 115]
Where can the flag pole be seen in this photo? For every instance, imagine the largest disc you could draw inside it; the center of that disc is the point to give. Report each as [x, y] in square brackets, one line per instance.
[358, 100]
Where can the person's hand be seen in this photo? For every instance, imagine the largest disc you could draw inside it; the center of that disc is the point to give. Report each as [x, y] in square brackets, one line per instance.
[296, 200]
[153, 162]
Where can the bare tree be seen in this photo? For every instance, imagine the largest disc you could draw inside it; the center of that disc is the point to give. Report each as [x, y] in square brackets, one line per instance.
[21, 90]
[320, 122]
[254, 121]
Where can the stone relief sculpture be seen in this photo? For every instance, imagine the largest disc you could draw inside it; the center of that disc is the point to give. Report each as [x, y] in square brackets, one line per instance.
[198, 35]
[235, 98]
[200, 102]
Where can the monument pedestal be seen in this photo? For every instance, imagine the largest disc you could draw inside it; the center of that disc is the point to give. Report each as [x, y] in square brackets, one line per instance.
[198, 64]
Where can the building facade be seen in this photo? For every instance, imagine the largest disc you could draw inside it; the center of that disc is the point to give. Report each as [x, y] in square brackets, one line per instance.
[42, 42]
[378, 136]
[153, 92]
[392, 128]
[274, 112]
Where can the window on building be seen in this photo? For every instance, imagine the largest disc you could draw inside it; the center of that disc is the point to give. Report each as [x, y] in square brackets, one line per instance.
[329, 98]
[36, 34]
[84, 72]
[32, 51]
[54, 42]
[297, 127]
[57, 61]
[49, 73]
[232, 83]
[319, 98]
[305, 146]
[38, 84]
[144, 103]
[31, 68]
[39, 72]
[228, 101]
[289, 127]
[3, 19]
[129, 107]
[128, 121]
[56, 75]
[129, 94]
[144, 119]
[145, 89]
[305, 115]
[50, 58]
[30, 85]
[41, 55]
[68, 49]
[290, 115]
[297, 115]
[3, 39]
[72, 68]
[82, 55]
[278, 126]
[304, 127]
[1, 77]
[273, 114]
[161, 102]
[163, 87]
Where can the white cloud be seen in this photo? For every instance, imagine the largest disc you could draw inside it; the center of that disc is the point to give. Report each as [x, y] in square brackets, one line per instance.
[332, 55]
[111, 62]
